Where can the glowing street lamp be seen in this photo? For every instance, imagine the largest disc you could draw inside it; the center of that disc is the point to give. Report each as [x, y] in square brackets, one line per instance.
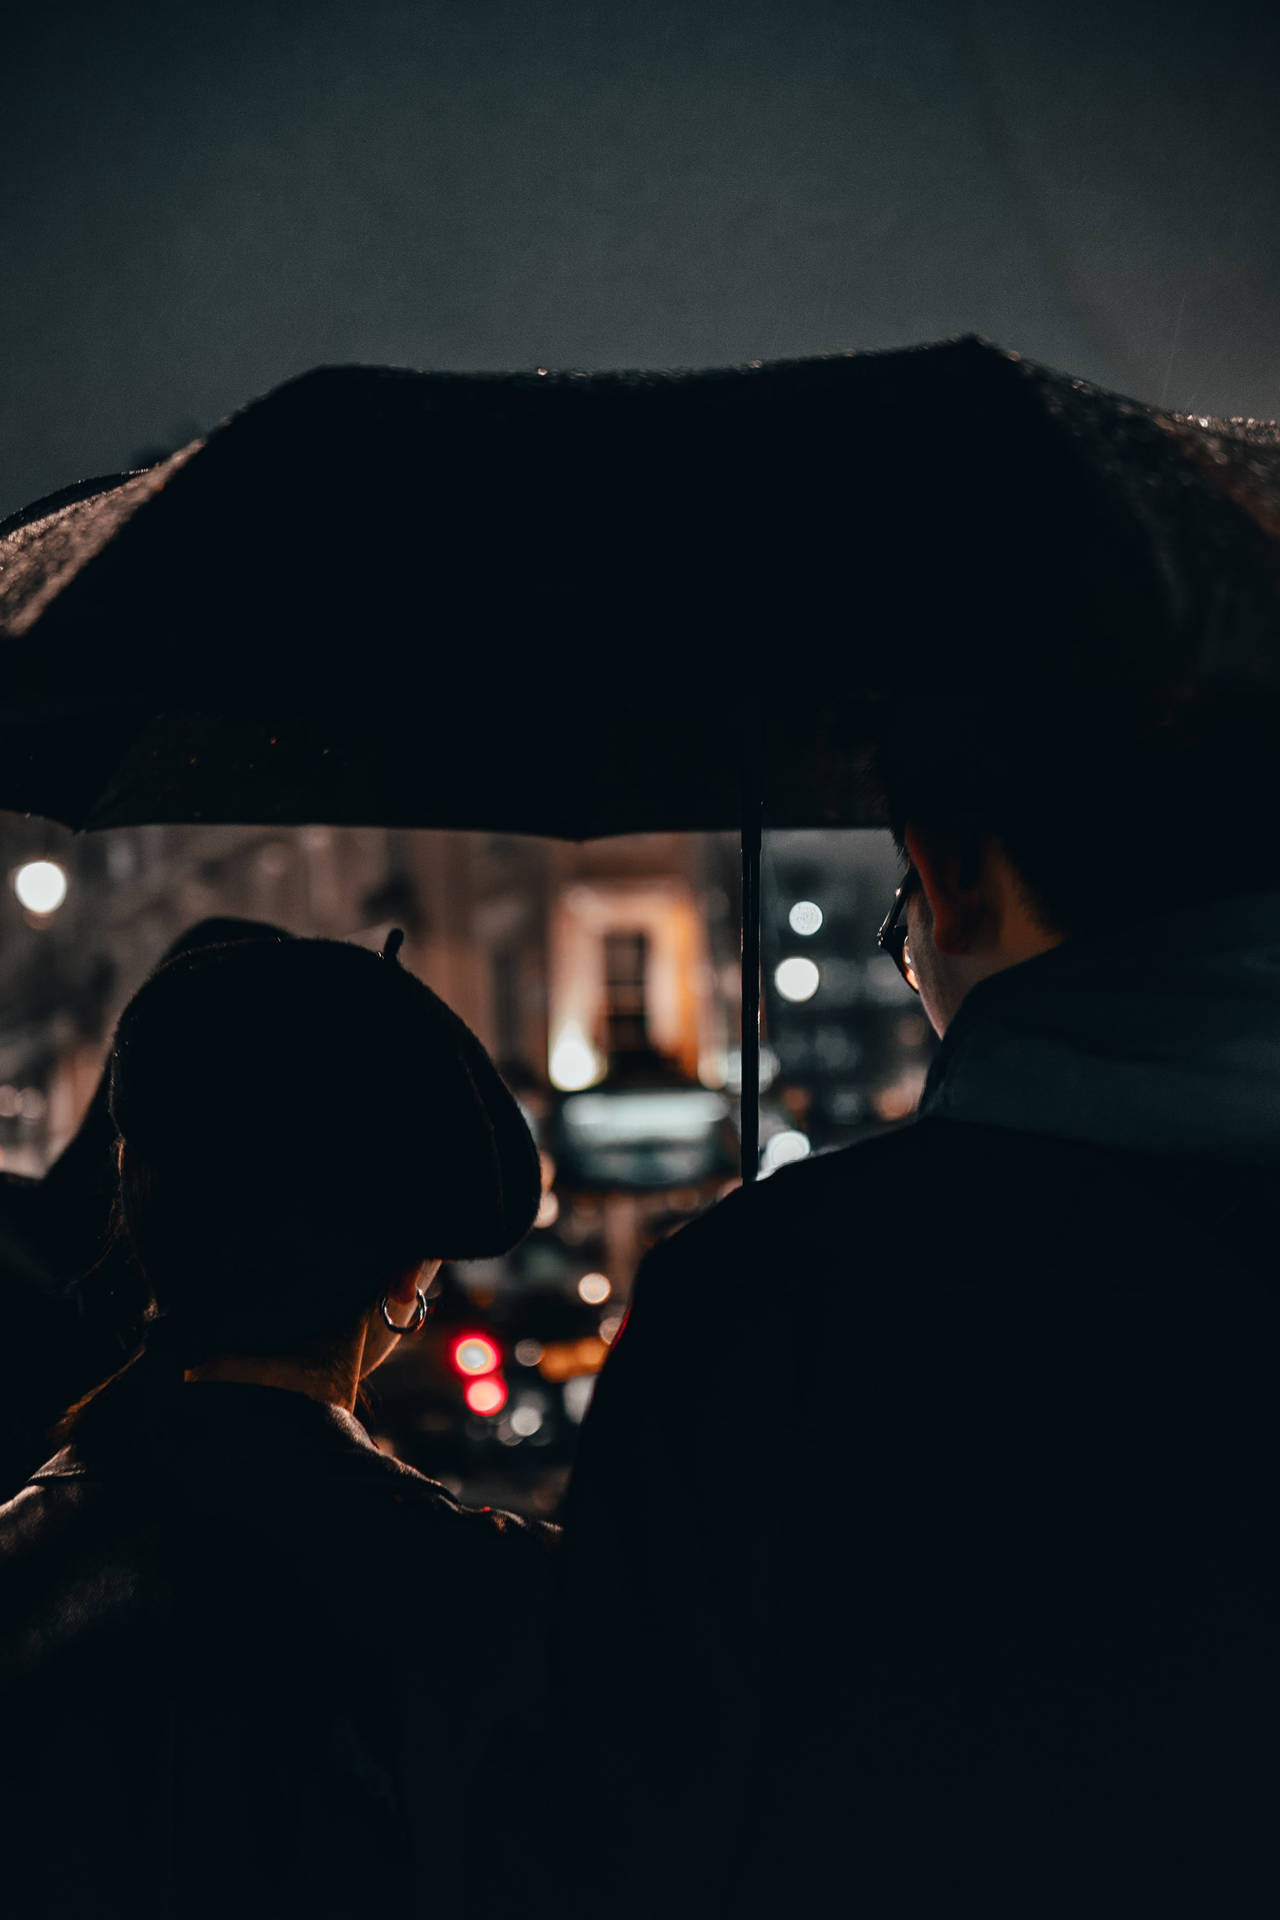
[796, 979]
[805, 917]
[41, 886]
[574, 1063]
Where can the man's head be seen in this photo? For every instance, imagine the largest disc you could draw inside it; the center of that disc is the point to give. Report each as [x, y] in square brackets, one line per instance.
[962, 923]
[1054, 814]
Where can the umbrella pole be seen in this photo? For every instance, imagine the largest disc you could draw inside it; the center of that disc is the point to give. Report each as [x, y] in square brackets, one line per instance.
[751, 837]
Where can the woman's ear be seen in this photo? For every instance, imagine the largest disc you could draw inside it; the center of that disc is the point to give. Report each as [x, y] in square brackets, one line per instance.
[420, 1274]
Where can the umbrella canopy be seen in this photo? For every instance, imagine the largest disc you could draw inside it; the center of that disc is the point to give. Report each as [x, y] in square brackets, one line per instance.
[577, 605]
[569, 604]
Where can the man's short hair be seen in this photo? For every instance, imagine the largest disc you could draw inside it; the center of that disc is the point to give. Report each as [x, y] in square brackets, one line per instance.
[1113, 801]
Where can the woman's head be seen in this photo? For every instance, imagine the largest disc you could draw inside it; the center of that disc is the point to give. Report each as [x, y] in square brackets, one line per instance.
[303, 1122]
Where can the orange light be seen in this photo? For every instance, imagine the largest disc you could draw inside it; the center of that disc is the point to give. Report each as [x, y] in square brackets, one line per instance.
[474, 1354]
[488, 1396]
[566, 1359]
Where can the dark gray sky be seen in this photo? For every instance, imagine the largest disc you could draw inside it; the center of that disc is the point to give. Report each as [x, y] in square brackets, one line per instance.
[201, 200]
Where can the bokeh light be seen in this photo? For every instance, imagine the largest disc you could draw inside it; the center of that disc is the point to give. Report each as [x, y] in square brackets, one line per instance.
[487, 1396]
[474, 1354]
[805, 917]
[41, 886]
[796, 978]
[548, 1210]
[594, 1288]
[783, 1148]
[577, 1395]
[574, 1062]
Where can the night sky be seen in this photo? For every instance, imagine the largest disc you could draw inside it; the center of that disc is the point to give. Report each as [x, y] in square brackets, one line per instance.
[201, 200]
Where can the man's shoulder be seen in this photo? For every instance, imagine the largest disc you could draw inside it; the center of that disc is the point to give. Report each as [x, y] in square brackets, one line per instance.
[863, 1203]
[872, 1175]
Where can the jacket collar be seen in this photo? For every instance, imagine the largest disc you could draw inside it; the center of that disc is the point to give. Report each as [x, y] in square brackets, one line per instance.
[221, 1418]
[1162, 1037]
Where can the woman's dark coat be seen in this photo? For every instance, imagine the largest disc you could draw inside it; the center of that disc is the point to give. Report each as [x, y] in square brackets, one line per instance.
[72, 1299]
[250, 1664]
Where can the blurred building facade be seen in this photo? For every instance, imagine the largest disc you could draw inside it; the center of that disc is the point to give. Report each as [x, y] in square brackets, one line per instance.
[604, 980]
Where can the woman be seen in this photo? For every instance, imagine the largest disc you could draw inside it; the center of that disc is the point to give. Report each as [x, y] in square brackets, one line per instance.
[252, 1664]
[71, 1298]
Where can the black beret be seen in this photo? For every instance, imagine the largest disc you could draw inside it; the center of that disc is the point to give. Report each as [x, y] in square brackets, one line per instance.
[332, 1076]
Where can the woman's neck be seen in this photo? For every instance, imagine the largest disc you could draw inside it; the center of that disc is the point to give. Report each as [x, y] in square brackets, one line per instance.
[335, 1383]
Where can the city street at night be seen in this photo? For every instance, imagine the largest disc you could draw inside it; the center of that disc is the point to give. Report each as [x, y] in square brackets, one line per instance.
[639, 960]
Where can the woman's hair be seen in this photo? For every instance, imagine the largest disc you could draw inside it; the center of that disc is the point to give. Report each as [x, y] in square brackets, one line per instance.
[300, 1120]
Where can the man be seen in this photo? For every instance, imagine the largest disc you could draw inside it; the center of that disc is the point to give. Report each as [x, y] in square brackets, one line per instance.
[921, 1554]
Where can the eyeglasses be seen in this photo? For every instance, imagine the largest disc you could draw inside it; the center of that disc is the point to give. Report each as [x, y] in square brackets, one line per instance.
[892, 937]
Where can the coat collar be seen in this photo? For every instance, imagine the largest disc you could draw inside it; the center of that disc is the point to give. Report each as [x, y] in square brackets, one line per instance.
[227, 1417]
[1162, 1037]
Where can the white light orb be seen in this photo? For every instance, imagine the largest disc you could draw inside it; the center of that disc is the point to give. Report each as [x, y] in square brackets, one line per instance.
[577, 1395]
[594, 1288]
[783, 1148]
[770, 1067]
[805, 917]
[796, 978]
[526, 1420]
[574, 1063]
[41, 886]
[528, 1352]
[548, 1211]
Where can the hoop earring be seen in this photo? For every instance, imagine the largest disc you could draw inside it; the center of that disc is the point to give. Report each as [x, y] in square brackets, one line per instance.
[420, 1313]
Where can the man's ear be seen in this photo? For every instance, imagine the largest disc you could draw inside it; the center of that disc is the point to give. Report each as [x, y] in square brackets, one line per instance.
[957, 899]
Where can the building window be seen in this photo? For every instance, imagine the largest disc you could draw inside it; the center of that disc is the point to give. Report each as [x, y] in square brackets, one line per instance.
[626, 967]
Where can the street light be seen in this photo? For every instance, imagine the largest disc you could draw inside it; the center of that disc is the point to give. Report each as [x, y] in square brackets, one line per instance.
[574, 1063]
[805, 917]
[41, 886]
[797, 978]
[783, 1148]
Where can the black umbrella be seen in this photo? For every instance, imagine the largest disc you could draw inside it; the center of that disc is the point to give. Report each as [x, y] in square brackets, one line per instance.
[591, 604]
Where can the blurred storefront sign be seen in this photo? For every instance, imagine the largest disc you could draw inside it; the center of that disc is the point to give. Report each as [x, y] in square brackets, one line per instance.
[646, 1139]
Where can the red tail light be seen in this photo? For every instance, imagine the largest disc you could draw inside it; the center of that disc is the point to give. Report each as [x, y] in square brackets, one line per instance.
[475, 1354]
[488, 1395]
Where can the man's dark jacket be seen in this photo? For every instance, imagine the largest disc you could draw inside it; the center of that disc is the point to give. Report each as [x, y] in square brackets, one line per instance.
[922, 1554]
[249, 1665]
